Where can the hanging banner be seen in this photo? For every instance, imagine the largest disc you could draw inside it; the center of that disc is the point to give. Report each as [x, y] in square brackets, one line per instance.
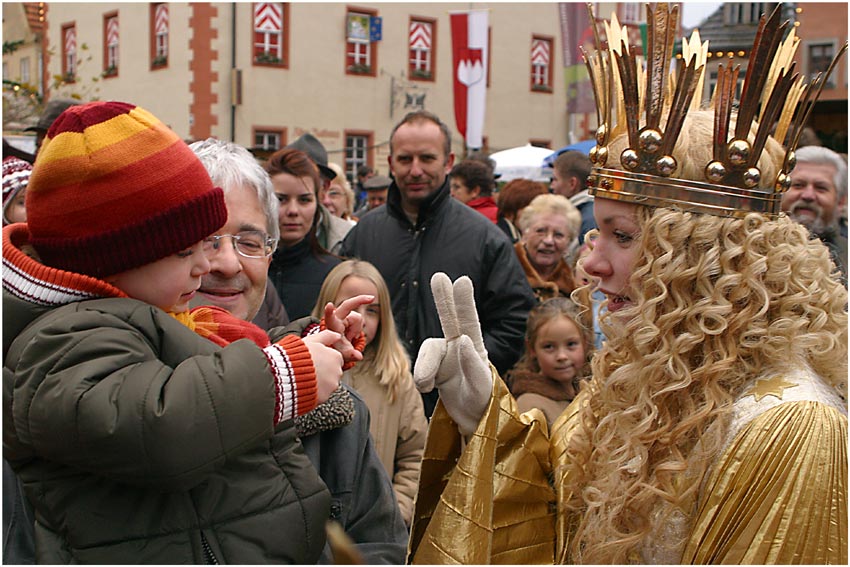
[469, 57]
[576, 32]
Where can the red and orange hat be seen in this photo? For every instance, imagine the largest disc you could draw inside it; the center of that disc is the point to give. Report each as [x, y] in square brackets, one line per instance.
[113, 189]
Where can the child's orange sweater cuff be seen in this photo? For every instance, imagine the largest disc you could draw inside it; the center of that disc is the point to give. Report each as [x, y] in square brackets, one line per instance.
[296, 391]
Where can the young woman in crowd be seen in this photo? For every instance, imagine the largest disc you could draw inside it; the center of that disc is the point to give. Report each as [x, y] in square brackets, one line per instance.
[299, 264]
[557, 348]
[383, 379]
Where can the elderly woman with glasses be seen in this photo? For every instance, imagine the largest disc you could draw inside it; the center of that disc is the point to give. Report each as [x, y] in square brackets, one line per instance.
[338, 197]
[548, 226]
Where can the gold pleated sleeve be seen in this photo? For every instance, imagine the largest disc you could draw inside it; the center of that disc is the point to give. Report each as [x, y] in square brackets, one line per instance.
[779, 492]
[490, 501]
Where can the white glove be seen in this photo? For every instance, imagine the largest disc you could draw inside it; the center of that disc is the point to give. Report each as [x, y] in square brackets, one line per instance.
[458, 363]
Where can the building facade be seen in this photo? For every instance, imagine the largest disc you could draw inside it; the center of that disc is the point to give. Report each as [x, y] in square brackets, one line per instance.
[262, 74]
[822, 29]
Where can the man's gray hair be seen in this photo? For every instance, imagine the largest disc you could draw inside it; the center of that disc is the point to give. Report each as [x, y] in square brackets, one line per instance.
[230, 165]
[824, 156]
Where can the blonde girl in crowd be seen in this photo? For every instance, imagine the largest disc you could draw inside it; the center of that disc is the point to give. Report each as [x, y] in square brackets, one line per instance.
[398, 425]
[557, 350]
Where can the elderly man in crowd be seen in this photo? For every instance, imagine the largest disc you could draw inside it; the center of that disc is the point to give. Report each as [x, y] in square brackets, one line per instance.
[336, 434]
[818, 191]
[376, 188]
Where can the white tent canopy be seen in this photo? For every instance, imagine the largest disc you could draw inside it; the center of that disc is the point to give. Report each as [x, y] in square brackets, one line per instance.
[524, 162]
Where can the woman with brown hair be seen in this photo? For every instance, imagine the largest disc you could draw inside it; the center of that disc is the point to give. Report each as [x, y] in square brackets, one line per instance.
[300, 264]
[513, 198]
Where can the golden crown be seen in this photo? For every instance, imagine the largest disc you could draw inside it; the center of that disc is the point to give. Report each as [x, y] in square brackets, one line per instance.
[772, 94]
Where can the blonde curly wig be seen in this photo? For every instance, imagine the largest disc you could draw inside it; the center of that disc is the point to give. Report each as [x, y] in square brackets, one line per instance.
[716, 303]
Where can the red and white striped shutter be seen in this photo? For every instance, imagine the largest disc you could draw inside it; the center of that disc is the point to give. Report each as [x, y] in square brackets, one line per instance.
[112, 31]
[161, 19]
[540, 52]
[268, 17]
[420, 35]
[71, 40]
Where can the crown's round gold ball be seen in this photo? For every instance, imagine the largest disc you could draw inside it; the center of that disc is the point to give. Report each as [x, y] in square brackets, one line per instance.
[593, 153]
[752, 177]
[715, 171]
[739, 152]
[601, 155]
[650, 140]
[666, 165]
[629, 159]
[792, 160]
[783, 183]
[601, 135]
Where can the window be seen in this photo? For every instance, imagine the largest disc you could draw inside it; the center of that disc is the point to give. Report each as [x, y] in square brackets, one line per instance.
[541, 67]
[360, 50]
[25, 70]
[159, 35]
[357, 147]
[421, 39]
[268, 139]
[739, 86]
[271, 38]
[69, 52]
[746, 12]
[110, 48]
[819, 57]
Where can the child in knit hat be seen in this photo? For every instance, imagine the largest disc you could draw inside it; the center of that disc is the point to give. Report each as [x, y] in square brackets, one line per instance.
[16, 175]
[143, 432]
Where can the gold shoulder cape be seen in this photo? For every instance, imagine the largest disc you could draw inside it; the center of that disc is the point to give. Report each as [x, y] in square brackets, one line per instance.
[778, 494]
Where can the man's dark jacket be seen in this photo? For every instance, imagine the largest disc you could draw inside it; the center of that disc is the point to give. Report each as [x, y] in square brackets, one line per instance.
[362, 496]
[452, 238]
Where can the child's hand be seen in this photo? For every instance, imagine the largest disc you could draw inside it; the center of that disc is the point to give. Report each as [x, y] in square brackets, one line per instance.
[346, 321]
[326, 360]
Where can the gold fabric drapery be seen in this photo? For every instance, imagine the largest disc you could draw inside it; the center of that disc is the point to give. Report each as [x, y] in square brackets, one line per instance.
[777, 494]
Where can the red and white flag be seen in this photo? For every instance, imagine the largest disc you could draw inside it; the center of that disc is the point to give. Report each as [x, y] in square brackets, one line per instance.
[469, 56]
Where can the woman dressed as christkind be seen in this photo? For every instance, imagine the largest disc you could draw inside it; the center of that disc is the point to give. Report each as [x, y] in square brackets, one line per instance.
[714, 427]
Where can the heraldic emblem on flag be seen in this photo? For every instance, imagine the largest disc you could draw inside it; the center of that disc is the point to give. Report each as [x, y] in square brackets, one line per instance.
[469, 57]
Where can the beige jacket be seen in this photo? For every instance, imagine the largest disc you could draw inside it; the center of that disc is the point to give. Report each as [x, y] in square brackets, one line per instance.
[399, 431]
[550, 408]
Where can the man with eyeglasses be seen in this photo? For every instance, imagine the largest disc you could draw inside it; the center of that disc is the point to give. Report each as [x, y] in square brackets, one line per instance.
[336, 434]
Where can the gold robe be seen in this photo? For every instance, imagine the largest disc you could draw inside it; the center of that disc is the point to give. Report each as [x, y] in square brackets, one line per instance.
[777, 494]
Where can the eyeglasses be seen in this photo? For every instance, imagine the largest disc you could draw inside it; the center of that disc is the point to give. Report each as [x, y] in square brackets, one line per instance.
[248, 243]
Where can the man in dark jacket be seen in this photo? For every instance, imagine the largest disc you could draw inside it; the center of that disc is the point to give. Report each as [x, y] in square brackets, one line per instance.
[422, 230]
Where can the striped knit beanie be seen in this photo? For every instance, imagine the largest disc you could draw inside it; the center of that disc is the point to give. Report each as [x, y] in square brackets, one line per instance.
[16, 175]
[113, 189]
